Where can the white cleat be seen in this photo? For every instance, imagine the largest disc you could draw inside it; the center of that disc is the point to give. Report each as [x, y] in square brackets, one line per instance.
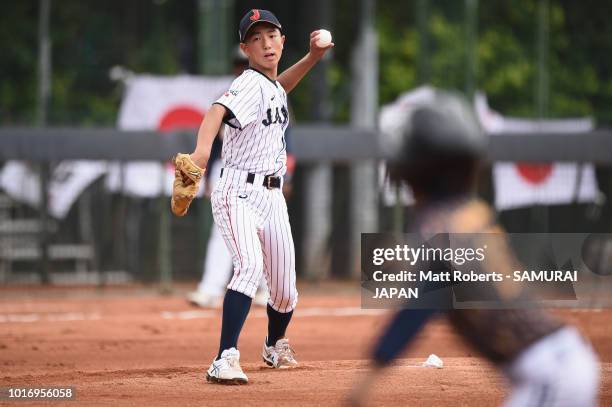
[279, 356]
[227, 369]
[200, 299]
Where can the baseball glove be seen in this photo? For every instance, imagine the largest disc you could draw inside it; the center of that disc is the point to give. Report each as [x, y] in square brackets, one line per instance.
[187, 177]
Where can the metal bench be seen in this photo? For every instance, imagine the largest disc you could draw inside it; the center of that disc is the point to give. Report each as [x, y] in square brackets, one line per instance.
[19, 243]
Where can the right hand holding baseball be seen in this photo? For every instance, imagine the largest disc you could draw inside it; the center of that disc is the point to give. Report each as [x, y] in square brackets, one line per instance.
[319, 48]
[187, 177]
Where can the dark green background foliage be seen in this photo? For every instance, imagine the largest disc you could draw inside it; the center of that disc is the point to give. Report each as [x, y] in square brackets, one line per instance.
[161, 37]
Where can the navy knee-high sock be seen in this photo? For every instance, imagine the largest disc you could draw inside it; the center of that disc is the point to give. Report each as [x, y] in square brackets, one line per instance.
[236, 307]
[277, 325]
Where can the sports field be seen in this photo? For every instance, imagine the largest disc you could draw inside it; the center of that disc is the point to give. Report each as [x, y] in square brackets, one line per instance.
[132, 346]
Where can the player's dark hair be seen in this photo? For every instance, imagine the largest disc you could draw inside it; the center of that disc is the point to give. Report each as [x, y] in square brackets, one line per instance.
[441, 178]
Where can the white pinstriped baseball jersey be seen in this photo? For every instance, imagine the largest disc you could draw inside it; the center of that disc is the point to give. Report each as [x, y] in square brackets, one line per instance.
[252, 218]
[254, 139]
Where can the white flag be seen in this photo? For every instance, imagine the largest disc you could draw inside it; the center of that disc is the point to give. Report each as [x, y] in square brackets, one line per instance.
[164, 104]
[68, 181]
[150, 103]
[20, 181]
[523, 184]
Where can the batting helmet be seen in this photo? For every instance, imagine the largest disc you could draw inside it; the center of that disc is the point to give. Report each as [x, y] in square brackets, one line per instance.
[441, 137]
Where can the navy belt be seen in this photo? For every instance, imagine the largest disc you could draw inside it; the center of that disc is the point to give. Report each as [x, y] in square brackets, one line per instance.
[269, 181]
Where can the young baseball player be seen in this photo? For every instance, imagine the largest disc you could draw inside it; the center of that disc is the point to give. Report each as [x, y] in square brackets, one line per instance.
[218, 265]
[248, 205]
[547, 362]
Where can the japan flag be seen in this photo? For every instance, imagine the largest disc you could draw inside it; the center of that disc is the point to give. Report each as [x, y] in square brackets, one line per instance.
[520, 184]
[163, 103]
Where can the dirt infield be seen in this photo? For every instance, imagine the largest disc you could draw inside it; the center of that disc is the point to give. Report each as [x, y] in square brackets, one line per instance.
[130, 346]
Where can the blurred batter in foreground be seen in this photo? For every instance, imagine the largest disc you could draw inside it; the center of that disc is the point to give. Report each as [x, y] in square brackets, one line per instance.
[547, 362]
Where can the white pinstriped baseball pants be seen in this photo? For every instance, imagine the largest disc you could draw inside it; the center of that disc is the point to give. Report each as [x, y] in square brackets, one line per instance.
[255, 226]
[218, 265]
[559, 370]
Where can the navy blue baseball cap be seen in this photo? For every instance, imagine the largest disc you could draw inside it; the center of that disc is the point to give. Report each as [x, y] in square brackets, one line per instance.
[253, 17]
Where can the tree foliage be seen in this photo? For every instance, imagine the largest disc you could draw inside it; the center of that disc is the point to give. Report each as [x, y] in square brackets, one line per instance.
[506, 50]
[160, 36]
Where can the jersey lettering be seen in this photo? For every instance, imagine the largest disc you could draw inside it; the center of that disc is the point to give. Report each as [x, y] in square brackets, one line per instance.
[254, 141]
[277, 116]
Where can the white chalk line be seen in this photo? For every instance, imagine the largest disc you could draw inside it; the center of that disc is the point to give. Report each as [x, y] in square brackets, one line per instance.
[188, 315]
[204, 314]
[62, 317]
[300, 312]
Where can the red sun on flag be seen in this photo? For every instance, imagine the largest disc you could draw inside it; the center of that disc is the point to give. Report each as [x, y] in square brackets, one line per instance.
[180, 118]
[534, 173]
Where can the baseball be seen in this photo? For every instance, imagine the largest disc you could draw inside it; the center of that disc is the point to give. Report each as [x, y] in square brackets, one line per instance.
[324, 38]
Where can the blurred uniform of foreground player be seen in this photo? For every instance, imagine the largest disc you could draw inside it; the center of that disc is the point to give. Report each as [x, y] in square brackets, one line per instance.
[437, 152]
